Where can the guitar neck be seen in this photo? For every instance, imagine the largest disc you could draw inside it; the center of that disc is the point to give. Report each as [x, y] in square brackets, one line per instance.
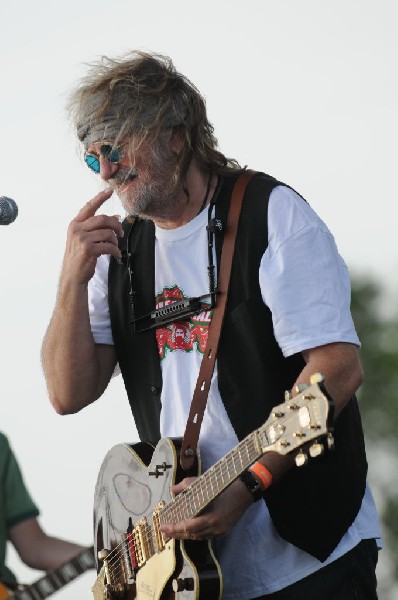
[56, 579]
[215, 480]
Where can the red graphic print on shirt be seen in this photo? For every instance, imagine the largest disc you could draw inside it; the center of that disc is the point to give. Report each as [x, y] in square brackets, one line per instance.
[182, 335]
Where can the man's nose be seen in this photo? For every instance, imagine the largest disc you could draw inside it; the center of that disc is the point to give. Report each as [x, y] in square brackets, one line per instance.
[107, 169]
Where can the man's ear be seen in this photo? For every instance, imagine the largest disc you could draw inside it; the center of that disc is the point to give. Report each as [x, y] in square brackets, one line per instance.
[177, 140]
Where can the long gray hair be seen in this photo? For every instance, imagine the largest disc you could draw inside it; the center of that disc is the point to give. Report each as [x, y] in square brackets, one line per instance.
[139, 97]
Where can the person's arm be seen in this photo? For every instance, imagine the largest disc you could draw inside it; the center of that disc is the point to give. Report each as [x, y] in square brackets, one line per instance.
[339, 364]
[77, 370]
[39, 550]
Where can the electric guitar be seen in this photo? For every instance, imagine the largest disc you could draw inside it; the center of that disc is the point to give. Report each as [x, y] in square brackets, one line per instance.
[53, 580]
[133, 499]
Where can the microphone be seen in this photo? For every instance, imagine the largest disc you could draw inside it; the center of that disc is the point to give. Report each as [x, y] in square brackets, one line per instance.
[8, 210]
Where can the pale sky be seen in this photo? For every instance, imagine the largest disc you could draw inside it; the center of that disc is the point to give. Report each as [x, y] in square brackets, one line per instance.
[305, 90]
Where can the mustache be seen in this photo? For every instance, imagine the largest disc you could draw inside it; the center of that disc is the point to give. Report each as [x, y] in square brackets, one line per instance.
[123, 174]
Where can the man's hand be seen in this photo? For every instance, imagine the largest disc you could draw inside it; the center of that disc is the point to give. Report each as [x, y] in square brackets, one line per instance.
[89, 236]
[218, 519]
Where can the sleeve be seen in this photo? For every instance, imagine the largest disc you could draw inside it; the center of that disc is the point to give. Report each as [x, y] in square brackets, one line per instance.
[98, 303]
[304, 280]
[18, 504]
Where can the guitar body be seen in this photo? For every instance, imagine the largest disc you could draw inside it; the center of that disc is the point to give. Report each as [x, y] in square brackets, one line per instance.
[132, 481]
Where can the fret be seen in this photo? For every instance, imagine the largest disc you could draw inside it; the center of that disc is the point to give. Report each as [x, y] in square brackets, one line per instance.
[25, 595]
[58, 581]
[201, 490]
[31, 593]
[45, 587]
[68, 572]
[194, 500]
[86, 560]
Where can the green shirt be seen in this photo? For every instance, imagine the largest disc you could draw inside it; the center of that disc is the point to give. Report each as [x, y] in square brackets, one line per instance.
[16, 505]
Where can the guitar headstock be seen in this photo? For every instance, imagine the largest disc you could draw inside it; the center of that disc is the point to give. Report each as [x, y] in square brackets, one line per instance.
[304, 418]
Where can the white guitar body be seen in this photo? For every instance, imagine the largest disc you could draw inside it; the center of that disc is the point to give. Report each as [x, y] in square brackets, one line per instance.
[129, 488]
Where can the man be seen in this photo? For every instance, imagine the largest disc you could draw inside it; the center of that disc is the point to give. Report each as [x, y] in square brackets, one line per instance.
[145, 131]
[19, 524]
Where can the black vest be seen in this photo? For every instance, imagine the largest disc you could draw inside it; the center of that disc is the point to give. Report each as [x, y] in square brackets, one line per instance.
[310, 507]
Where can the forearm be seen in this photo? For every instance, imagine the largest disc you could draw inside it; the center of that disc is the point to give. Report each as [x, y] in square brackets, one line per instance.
[340, 366]
[69, 354]
[39, 550]
[51, 552]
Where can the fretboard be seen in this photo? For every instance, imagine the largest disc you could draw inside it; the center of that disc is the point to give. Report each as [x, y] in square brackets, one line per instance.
[215, 480]
[55, 580]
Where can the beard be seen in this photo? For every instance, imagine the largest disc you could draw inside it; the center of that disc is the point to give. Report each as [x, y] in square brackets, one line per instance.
[149, 192]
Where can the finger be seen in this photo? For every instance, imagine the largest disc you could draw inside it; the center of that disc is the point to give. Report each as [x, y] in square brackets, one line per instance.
[179, 487]
[100, 236]
[98, 222]
[184, 530]
[91, 207]
[99, 228]
[108, 248]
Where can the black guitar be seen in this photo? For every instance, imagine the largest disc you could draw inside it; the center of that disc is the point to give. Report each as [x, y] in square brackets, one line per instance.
[53, 580]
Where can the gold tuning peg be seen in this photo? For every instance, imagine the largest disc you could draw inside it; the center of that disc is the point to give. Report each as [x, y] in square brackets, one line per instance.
[330, 441]
[316, 378]
[300, 387]
[316, 450]
[301, 459]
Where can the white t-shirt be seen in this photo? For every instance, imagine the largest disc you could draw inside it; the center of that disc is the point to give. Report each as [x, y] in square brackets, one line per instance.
[305, 283]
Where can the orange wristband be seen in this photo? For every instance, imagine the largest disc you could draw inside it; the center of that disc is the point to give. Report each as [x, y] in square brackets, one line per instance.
[262, 473]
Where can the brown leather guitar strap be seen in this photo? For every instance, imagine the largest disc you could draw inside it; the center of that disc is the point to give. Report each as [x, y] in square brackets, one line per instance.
[199, 399]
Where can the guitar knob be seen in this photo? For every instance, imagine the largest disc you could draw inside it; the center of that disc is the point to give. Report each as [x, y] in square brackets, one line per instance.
[330, 442]
[301, 459]
[316, 450]
[102, 554]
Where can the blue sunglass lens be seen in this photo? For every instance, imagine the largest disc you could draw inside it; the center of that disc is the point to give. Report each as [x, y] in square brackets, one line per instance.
[92, 162]
[111, 154]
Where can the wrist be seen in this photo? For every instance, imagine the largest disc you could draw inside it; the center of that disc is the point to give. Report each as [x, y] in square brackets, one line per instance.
[262, 474]
[257, 479]
[252, 485]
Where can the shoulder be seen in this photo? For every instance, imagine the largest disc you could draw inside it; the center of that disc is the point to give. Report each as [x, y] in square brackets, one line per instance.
[290, 216]
[4, 444]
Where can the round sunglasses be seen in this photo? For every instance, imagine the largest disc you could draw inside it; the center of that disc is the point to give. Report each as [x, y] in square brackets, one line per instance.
[107, 151]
